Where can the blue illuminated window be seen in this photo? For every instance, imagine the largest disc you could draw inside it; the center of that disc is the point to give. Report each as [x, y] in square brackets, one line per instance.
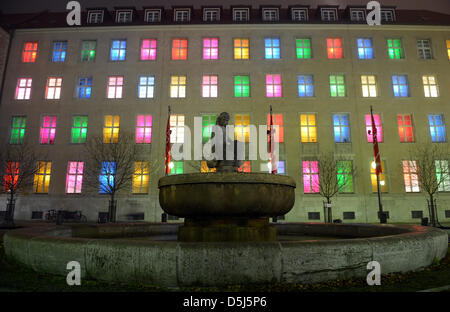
[341, 128]
[84, 88]
[118, 50]
[365, 48]
[59, 51]
[305, 85]
[107, 175]
[272, 48]
[437, 128]
[400, 86]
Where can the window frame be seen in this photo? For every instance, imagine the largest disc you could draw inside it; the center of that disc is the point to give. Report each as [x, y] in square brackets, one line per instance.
[124, 13]
[368, 86]
[384, 18]
[90, 16]
[22, 129]
[150, 49]
[328, 11]
[84, 86]
[24, 51]
[403, 128]
[28, 80]
[51, 133]
[146, 137]
[113, 139]
[311, 129]
[115, 86]
[178, 86]
[211, 10]
[44, 189]
[55, 88]
[241, 48]
[143, 175]
[420, 47]
[270, 11]
[179, 18]
[80, 129]
[146, 15]
[89, 59]
[341, 126]
[357, 10]
[76, 175]
[235, 12]
[210, 86]
[298, 10]
[120, 49]
[429, 86]
[147, 87]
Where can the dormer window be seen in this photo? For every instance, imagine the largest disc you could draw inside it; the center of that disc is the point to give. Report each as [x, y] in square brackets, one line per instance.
[299, 15]
[211, 15]
[241, 15]
[124, 16]
[387, 15]
[95, 17]
[328, 15]
[357, 15]
[182, 15]
[153, 15]
[270, 15]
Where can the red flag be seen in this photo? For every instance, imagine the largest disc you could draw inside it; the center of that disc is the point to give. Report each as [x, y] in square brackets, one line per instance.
[167, 155]
[272, 156]
[376, 151]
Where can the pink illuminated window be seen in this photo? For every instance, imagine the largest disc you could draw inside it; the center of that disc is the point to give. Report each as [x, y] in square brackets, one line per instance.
[310, 176]
[273, 85]
[115, 85]
[23, 89]
[144, 129]
[210, 48]
[48, 130]
[74, 178]
[53, 88]
[209, 86]
[334, 48]
[148, 50]
[378, 126]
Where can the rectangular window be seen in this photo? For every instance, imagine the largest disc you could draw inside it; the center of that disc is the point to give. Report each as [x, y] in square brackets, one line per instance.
[246, 167]
[437, 128]
[310, 176]
[74, 177]
[124, 16]
[179, 49]
[53, 88]
[48, 130]
[210, 48]
[329, 15]
[357, 15]
[12, 175]
[42, 177]
[204, 167]
[273, 85]
[341, 128]
[182, 15]
[79, 129]
[242, 86]
[448, 49]
[153, 16]
[178, 86]
[365, 48]
[278, 127]
[209, 86]
[387, 15]
[115, 87]
[242, 127]
[241, 15]
[107, 177]
[303, 48]
[146, 87]
[84, 88]
[442, 175]
[88, 50]
[313, 215]
[410, 176]
[373, 177]
[176, 128]
[305, 85]
[148, 50]
[29, 52]
[299, 15]
[400, 85]
[118, 50]
[345, 176]
[334, 48]
[144, 129]
[59, 51]
[270, 15]
[208, 121]
[18, 127]
[378, 126]
[430, 86]
[141, 177]
[241, 49]
[405, 128]
[272, 48]
[395, 49]
[337, 86]
[369, 86]
[95, 17]
[424, 49]
[111, 129]
[23, 89]
[211, 15]
[177, 167]
[308, 128]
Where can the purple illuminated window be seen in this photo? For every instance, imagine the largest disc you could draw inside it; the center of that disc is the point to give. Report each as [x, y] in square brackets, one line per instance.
[144, 129]
[210, 48]
[74, 178]
[310, 176]
[273, 85]
[148, 50]
[48, 130]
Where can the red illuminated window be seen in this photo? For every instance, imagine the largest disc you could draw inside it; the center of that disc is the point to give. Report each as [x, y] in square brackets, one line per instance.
[334, 48]
[405, 128]
[29, 52]
[245, 167]
[378, 126]
[12, 176]
[277, 123]
[179, 49]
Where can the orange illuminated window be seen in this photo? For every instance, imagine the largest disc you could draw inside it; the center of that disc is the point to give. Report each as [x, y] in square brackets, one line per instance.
[42, 177]
[179, 49]
[334, 48]
[29, 52]
[245, 167]
[241, 49]
[277, 123]
[205, 168]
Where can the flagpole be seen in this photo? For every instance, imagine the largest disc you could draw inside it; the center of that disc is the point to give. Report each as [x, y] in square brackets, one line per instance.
[167, 157]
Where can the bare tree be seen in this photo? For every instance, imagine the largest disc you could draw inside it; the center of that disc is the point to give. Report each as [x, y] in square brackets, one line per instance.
[432, 161]
[109, 167]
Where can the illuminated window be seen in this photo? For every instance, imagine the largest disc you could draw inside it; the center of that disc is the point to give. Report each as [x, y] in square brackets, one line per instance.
[334, 48]
[118, 50]
[310, 176]
[12, 175]
[308, 128]
[59, 51]
[209, 86]
[424, 49]
[111, 129]
[208, 121]
[177, 167]
[210, 48]
[369, 86]
[182, 15]
[211, 15]
[345, 176]
[378, 126]
[29, 52]
[18, 127]
[48, 130]
[448, 49]
[84, 88]
[246, 167]
[241, 15]
[242, 127]
[176, 128]
[204, 167]
[270, 15]
[405, 128]
[395, 49]
[281, 167]
[88, 50]
[410, 176]
[79, 129]
[23, 89]
[430, 86]
[53, 88]
[124, 16]
[329, 15]
[373, 177]
[437, 128]
[241, 49]
[178, 86]
[95, 17]
[179, 49]
[400, 85]
[144, 129]
[107, 177]
[341, 128]
[141, 176]
[303, 48]
[299, 15]
[305, 85]
[241, 86]
[365, 48]
[442, 175]
[278, 126]
[153, 15]
[272, 48]
[148, 49]
[42, 177]
[74, 177]
[115, 87]
[146, 87]
[337, 86]
[273, 85]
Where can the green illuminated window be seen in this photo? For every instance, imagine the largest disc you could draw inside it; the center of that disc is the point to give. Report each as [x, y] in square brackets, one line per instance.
[345, 176]
[395, 49]
[176, 167]
[241, 86]
[88, 50]
[337, 86]
[18, 129]
[79, 129]
[207, 122]
[303, 48]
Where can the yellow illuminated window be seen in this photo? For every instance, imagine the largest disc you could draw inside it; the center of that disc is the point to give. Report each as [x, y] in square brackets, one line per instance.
[141, 177]
[369, 86]
[42, 177]
[241, 127]
[308, 128]
[448, 49]
[430, 86]
[205, 168]
[111, 129]
[373, 177]
[178, 86]
[241, 49]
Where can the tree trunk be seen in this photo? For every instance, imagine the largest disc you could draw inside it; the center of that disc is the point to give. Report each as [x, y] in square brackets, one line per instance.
[9, 213]
[432, 212]
[112, 209]
[330, 217]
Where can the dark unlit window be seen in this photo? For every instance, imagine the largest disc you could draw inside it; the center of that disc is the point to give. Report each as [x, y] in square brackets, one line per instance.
[313, 215]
